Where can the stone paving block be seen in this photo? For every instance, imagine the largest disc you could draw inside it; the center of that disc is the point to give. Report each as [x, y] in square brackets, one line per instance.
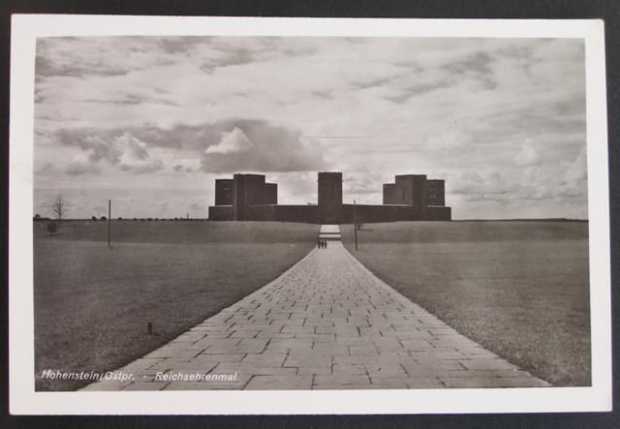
[317, 338]
[219, 334]
[372, 331]
[191, 335]
[200, 345]
[147, 376]
[249, 369]
[308, 360]
[307, 370]
[392, 370]
[386, 343]
[264, 359]
[173, 363]
[298, 330]
[278, 316]
[142, 364]
[411, 334]
[229, 357]
[275, 382]
[476, 353]
[270, 335]
[424, 383]
[431, 367]
[395, 355]
[365, 350]
[335, 386]
[169, 352]
[487, 364]
[370, 360]
[238, 384]
[341, 380]
[436, 355]
[150, 385]
[330, 349]
[325, 322]
[415, 344]
[496, 382]
[104, 386]
[252, 345]
[244, 334]
[341, 330]
[349, 369]
[288, 344]
[354, 341]
[506, 373]
[382, 382]
[221, 343]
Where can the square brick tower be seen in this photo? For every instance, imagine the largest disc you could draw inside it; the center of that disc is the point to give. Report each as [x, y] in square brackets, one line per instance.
[224, 192]
[435, 192]
[330, 198]
[248, 190]
[412, 188]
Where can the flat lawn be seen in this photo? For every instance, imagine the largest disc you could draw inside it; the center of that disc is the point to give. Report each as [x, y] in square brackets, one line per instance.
[521, 289]
[92, 304]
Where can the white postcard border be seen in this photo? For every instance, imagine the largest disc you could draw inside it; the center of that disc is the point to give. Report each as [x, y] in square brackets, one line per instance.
[24, 400]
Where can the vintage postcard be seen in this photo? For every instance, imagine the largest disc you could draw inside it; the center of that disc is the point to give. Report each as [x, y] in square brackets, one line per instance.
[287, 216]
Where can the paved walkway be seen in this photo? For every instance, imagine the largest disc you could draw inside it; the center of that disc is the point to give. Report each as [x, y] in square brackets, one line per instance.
[329, 232]
[326, 323]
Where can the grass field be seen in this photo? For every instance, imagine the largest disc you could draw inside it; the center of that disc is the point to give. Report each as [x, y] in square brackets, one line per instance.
[92, 304]
[521, 289]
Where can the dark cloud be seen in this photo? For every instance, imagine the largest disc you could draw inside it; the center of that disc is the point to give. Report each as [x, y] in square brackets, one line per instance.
[46, 67]
[479, 62]
[101, 56]
[233, 57]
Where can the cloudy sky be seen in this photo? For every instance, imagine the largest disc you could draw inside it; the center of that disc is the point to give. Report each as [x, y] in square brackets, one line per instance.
[150, 122]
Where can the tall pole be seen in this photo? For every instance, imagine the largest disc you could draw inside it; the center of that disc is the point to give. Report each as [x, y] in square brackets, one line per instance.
[355, 222]
[109, 223]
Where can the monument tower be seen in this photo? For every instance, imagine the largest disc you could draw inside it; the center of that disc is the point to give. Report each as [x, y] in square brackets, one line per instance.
[330, 198]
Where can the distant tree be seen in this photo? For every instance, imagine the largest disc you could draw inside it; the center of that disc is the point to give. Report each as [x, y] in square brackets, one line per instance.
[37, 217]
[94, 218]
[60, 209]
[103, 218]
[149, 219]
[135, 218]
[120, 218]
[52, 227]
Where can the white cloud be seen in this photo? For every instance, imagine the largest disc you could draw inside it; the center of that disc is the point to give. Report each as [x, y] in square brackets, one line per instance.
[234, 141]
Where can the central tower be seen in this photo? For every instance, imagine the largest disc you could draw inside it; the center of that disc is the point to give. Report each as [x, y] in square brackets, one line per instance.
[330, 198]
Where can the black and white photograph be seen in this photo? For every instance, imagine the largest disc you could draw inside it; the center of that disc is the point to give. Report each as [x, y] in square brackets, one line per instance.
[284, 212]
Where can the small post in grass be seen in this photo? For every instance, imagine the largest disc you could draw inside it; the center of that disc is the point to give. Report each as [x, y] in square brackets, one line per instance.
[110, 223]
[149, 328]
[355, 222]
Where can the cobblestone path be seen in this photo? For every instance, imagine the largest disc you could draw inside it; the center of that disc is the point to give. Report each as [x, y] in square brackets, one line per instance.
[326, 323]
